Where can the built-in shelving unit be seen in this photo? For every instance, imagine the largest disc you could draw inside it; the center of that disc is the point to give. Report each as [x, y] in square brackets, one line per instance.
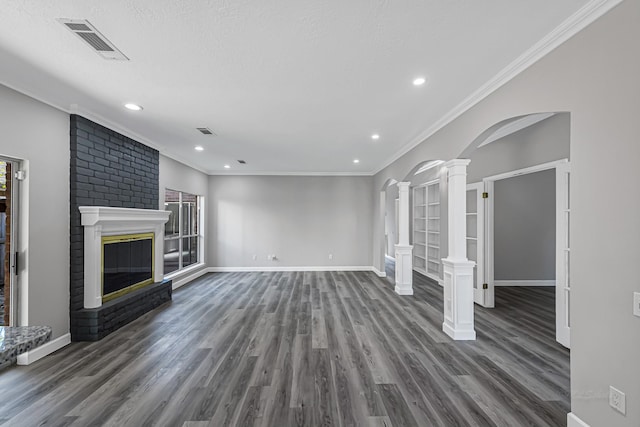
[426, 229]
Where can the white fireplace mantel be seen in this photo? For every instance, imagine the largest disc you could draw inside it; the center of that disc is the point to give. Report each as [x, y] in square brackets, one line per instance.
[99, 221]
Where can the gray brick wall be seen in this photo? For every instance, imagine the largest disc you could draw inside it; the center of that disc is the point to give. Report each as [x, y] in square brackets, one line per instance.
[107, 169]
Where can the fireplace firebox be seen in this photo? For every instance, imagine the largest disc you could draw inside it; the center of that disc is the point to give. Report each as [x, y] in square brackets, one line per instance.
[127, 264]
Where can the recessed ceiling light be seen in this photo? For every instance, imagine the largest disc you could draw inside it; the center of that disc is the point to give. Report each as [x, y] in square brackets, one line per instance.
[199, 148]
[227, 166]
[356, 161]
[419, 81]
[133, 107]
[375, 136]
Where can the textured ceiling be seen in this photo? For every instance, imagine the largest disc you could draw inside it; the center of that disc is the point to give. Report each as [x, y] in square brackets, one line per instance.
[288, 86]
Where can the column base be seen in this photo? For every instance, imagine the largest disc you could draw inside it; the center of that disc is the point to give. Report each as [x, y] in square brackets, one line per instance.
[458, 299]
[404, 270]
[404, 291]
[459, 334]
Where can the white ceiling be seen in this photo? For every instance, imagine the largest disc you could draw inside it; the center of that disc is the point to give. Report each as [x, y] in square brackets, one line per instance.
[293, 86]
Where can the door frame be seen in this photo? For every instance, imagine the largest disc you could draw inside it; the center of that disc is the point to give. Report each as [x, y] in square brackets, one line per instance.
[479, 294]
[15, 302]
[489, 182]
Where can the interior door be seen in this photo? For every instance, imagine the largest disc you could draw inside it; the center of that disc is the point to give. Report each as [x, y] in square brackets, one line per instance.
[475, 240]
[563, 251]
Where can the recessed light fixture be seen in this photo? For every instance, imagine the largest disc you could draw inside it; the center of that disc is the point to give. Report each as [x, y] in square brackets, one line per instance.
[133, 107]
[419, 81]
[375, 136]
[356, 161]
[227, 167]
[199, 148]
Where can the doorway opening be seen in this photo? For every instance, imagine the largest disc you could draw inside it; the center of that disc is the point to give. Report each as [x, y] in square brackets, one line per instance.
[8, 240]
[518, 235]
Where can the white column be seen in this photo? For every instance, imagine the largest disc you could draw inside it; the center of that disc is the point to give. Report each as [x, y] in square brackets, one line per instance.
[458, 270]
[404, 261]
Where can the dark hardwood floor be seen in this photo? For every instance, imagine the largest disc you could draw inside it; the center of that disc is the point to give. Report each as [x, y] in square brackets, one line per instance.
[313, 348]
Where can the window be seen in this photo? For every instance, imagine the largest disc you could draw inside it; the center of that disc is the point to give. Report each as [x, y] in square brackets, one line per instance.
[182, 232]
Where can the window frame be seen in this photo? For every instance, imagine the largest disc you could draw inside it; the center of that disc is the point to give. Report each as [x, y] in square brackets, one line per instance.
[199, 231]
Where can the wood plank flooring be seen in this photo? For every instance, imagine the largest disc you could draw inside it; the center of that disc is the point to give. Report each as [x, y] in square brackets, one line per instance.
[304, 349]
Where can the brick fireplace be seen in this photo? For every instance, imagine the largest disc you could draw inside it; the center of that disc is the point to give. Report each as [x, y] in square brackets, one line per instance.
[108, 170]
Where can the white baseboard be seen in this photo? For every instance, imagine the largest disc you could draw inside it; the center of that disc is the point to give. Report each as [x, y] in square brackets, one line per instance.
[524, 283]
[573, 421]
[186, 278]
[301, 268]
[28, 357]
[378, 272]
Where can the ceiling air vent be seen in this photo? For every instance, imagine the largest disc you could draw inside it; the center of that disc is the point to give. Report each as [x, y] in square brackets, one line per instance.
[242, 162]
[206, 131]
[88, 33]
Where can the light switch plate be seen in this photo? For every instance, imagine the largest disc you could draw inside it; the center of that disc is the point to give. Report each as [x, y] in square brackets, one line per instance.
[636, 304]
[617, 400]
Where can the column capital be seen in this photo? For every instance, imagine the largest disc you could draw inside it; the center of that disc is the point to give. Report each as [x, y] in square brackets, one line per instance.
[403, 184]
[457, 162]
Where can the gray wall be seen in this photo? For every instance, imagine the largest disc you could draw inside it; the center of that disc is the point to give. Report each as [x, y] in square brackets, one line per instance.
[300, 219]
[525, 227]
[25, 128]
[543, 142]
[594, 77]
[180, 177]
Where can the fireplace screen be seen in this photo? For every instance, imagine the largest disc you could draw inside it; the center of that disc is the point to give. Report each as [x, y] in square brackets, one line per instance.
[127, 264]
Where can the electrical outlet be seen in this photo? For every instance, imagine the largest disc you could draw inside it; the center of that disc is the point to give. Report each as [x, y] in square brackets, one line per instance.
[330, 256]
[617, 400]
[636, 304]
[255, 257]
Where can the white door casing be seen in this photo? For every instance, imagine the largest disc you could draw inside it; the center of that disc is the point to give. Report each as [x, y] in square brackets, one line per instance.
[563, 282]
[475, 238]
[563, 251]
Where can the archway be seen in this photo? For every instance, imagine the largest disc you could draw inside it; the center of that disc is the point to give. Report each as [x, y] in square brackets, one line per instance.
[529, 147]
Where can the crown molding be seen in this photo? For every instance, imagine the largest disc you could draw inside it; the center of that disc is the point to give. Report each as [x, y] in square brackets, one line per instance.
[276, 173]
[570, 27]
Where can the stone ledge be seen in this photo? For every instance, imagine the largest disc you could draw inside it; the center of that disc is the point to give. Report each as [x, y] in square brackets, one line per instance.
[15, 340]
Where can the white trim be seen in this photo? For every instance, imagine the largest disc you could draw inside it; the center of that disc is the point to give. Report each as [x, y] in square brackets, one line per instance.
[378, 272]
[571, 26]
[28, 357]
[574, 421]
[389, 257]
[525, 171]
[524, 282]
[186, 275]
[301, 268]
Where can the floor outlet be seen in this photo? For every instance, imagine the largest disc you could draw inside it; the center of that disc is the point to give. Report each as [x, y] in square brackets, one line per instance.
[617, 400]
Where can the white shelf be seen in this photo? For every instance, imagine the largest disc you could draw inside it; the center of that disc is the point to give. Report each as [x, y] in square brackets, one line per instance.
[427, 227]
[472, 238]
[472, 213]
